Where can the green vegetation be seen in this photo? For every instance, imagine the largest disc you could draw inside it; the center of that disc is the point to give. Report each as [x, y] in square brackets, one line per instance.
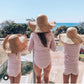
[26, 67]
[4, 72]
[81, 57]
[9, 27]
[62, 29]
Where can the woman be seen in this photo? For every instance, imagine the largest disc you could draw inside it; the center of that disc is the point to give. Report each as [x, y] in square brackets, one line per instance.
[41, 41]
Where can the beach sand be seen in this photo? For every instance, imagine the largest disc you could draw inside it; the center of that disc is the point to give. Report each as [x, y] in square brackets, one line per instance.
[3, 55]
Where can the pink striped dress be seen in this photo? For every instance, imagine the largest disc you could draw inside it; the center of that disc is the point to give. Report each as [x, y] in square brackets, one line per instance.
[42, 54]
[71, 58]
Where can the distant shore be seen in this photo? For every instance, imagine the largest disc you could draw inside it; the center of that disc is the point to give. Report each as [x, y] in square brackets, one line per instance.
[57, 24]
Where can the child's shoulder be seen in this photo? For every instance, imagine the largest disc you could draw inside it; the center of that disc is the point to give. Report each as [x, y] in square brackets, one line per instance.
[71, 45]
[14, 54]
[33, 35]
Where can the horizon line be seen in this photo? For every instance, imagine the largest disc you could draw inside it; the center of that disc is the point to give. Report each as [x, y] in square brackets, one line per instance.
[56, 22]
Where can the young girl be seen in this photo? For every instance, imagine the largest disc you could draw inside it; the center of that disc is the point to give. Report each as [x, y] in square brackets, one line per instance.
[41, 41]
[13, 45]
[71, 41]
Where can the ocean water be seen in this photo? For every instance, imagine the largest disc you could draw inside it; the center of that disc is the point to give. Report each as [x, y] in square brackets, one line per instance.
[65, 24]
[60, 24]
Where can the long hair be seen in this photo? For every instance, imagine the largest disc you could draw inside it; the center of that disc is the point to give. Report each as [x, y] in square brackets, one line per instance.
[42, 38]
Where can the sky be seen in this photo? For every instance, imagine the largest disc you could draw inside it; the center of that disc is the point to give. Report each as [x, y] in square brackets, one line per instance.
[56, 10]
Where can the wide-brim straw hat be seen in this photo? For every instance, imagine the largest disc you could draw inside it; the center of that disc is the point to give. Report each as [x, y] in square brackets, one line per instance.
[15, 43]
[41, 24]
[71, 36]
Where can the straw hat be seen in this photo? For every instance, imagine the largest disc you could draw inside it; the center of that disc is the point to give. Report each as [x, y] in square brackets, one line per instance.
[71, 36]
[41, 24]
[15, 43]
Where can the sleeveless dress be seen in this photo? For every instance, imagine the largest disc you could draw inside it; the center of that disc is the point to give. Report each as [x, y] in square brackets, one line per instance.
[42, 57]
[71, 58]
[14, 64]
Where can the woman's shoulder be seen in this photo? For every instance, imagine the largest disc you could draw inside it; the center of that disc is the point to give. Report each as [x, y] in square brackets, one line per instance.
[33, 34]
[50, 34]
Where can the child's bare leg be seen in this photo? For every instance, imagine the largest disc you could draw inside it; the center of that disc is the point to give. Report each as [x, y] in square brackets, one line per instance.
[74, 79]
[37, 73]
[11, 79]
[46, 73]
[65, 79]
[17, 78]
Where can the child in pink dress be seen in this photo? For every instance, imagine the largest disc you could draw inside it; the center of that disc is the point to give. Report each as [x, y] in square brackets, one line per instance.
[13, 45]
[71, 41]
[41, 41]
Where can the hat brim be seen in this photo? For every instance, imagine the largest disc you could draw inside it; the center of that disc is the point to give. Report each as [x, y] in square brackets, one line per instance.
[63, 38]
[24, 42]
[41, 27]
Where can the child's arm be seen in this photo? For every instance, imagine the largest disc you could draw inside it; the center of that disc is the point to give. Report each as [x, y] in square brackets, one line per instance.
[53, 44]
[31, 43]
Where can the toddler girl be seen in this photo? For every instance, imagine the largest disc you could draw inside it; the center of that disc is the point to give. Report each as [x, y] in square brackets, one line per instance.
[71, 41]
[13, 45]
